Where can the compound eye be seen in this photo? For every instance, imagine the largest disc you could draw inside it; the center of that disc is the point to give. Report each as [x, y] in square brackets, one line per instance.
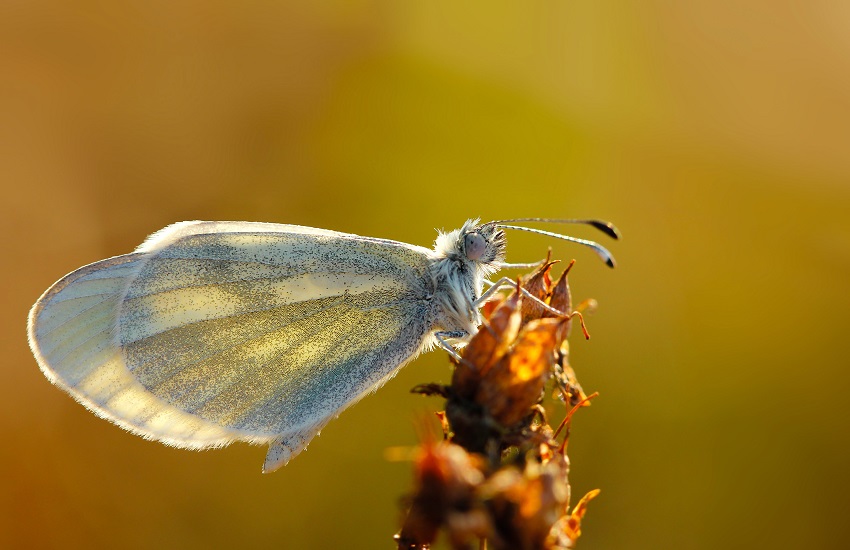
[474, 246]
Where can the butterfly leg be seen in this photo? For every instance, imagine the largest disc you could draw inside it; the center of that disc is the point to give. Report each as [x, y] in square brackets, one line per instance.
[503, 265]
[441, 339]
[513, 284]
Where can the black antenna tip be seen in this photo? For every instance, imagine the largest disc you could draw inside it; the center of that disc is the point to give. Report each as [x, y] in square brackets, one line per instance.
[605, 227]
[610, 263]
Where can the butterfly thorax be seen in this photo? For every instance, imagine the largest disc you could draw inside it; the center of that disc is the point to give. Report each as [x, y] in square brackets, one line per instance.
[456, 287]
[463, 258]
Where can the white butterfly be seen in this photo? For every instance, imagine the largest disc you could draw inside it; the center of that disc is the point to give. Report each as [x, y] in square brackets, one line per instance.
[214, 332]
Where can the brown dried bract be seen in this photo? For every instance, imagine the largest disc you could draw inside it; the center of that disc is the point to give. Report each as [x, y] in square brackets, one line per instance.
[514, 385]
[562, 300]
[567, 529]
[539, 285]
[487, 347]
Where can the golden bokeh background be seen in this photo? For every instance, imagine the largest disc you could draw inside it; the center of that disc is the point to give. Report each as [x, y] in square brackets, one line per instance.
[715, 134]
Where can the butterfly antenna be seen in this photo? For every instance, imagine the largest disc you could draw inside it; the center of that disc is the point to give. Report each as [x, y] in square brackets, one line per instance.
[606, 227]
[600, 250]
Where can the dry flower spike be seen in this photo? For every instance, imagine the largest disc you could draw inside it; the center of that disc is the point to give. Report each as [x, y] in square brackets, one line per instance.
[502, 476]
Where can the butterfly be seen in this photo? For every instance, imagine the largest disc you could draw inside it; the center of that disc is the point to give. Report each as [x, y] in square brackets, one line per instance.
[215, 332]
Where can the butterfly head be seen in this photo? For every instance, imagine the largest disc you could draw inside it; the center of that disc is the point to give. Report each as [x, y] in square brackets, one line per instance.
[482, 244]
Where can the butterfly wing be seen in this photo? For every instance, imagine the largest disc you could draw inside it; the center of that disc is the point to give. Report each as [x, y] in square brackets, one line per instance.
[212, 332]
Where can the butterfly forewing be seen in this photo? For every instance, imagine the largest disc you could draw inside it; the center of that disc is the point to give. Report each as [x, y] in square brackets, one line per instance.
[212, 332]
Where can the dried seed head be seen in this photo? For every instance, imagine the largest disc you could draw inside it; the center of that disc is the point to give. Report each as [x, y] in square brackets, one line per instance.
[505, 477]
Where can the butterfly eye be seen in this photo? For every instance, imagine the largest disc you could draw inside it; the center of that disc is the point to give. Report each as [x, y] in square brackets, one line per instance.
[474, 246]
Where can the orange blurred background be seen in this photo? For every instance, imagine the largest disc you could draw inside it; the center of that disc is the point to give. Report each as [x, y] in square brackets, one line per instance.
[715, 134]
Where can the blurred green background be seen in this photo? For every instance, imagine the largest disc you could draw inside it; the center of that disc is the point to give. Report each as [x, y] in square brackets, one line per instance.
[715, 134]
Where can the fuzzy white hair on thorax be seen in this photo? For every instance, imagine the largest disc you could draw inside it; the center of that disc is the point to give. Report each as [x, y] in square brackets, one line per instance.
[449, 244]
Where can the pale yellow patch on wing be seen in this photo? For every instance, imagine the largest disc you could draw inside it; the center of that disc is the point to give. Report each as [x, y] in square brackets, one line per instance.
[148, 315]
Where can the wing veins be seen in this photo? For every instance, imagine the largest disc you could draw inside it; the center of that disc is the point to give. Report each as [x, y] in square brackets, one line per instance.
[78, 346]
[236, 281]
[237, 261]
[58, 300]
[246, 341]
[239, 314]
[60, 325]
[289, 345]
